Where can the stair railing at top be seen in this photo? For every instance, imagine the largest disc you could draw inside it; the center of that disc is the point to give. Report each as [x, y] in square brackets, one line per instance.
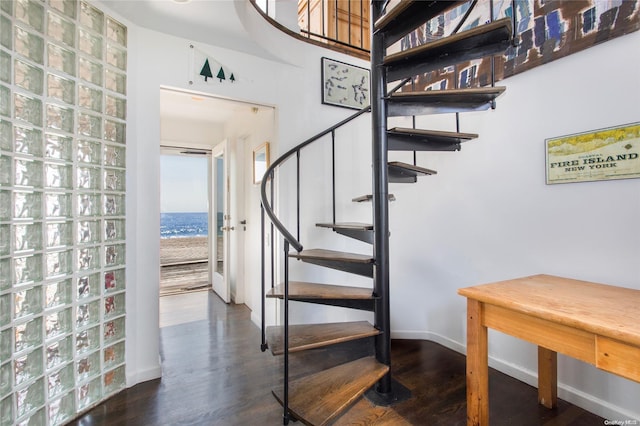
[266, 207]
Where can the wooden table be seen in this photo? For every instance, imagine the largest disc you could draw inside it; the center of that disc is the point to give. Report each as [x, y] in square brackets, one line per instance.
[595, 323]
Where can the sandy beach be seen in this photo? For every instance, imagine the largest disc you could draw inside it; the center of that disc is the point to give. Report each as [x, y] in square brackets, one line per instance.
[184, 264]
[180, 250]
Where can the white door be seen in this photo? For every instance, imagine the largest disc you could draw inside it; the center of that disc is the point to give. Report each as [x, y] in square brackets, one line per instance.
[220, 221]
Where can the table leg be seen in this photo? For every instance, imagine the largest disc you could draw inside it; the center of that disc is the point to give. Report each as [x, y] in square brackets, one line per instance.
[547, 377]
[477, 367]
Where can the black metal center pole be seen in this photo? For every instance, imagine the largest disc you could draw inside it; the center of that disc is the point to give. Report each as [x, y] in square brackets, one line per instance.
[380, 201]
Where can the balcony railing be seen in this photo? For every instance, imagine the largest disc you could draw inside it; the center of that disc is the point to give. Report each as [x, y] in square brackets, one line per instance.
[341, 25]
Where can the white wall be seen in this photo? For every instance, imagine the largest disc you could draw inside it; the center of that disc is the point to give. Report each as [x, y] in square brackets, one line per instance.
[488, 215]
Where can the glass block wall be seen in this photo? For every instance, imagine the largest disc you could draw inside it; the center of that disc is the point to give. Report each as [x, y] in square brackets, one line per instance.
[62, 218]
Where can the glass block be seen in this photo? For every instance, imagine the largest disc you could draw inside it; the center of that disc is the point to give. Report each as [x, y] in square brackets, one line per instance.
[91, 17]
[114, 156]
[6, 405]
[59, 234]
[89, 393]
[27, 237]
[5, 67]
[88, 258]
[6, 130]
[27, 302]
[114, 280]
[31, 13]
[114, 229]
[28, 77]
[28, 109]
[4, 240]
[59, 263]
[5, 30]
[90, 44]
[113, 355]
[88, 232]
[89, 125]
[27, 367]
[61, 381]
[58, 147]
[67, 7]
[114, 180]
[88, 152]
[5, 205]
[88, 286]
[27, 140]
[116, 57]
[61, 410]
[61, 88]
[5, 274]
[114, 255]
[60, 118]
[29, 45]
[27, 269]
[58, 323]
[57, 294]
[7, 7]
[5, 101]
[5, 170]
[115, 81]
[28, 335]
[90, 98]
[57, 205]
[116, 32]
[6, 344]
[87, 340]
[61, 59]
[5, 379]
[90, 71]
[114, 205]
[88, 366]
[61, 29]
[114, 131]
[115, 107]
[88, 314]
[88, 205]
[88, 178]
[114, 380]
[114, 330]
[27, 205]
[29, 398]
[5, 310]
[28, 172]
[59, 352]
[58, 176]
[114, 305]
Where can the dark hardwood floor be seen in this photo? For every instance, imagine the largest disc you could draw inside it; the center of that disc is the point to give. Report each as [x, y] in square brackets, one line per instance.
[215, 374]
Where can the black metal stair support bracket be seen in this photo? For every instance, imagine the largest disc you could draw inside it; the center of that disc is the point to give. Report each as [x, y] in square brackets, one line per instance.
[380, 202]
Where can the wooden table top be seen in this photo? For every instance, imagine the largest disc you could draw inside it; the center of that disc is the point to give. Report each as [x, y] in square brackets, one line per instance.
[598, 308]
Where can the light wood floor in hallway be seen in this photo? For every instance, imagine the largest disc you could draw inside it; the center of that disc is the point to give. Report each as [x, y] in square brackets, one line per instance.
[215, 374]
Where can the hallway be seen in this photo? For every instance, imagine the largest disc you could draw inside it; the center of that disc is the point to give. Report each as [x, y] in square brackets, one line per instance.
[215, 374]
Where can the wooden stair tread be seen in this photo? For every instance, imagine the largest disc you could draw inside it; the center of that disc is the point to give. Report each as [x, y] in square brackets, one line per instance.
[478, 42]
[433, 134]
[303, 337]
[365, 413]
[331, 255]
[305, 290]
[357, 226]
[369, 197]
[442, 101]
[408, 15]
[411, 169]
[320, 398]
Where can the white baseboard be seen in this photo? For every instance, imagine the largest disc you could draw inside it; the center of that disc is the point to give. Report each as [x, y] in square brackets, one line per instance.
[570, 394]
[142, 376]
[256, 319]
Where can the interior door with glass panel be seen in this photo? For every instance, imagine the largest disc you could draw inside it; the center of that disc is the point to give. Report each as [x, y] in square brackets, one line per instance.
[220, 222]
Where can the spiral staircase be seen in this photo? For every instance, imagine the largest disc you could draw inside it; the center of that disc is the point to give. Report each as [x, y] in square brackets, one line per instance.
[358, 353]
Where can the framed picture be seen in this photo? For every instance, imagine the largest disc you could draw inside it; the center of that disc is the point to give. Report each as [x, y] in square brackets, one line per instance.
[345, 85]
[260, 162]
[604, 154]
